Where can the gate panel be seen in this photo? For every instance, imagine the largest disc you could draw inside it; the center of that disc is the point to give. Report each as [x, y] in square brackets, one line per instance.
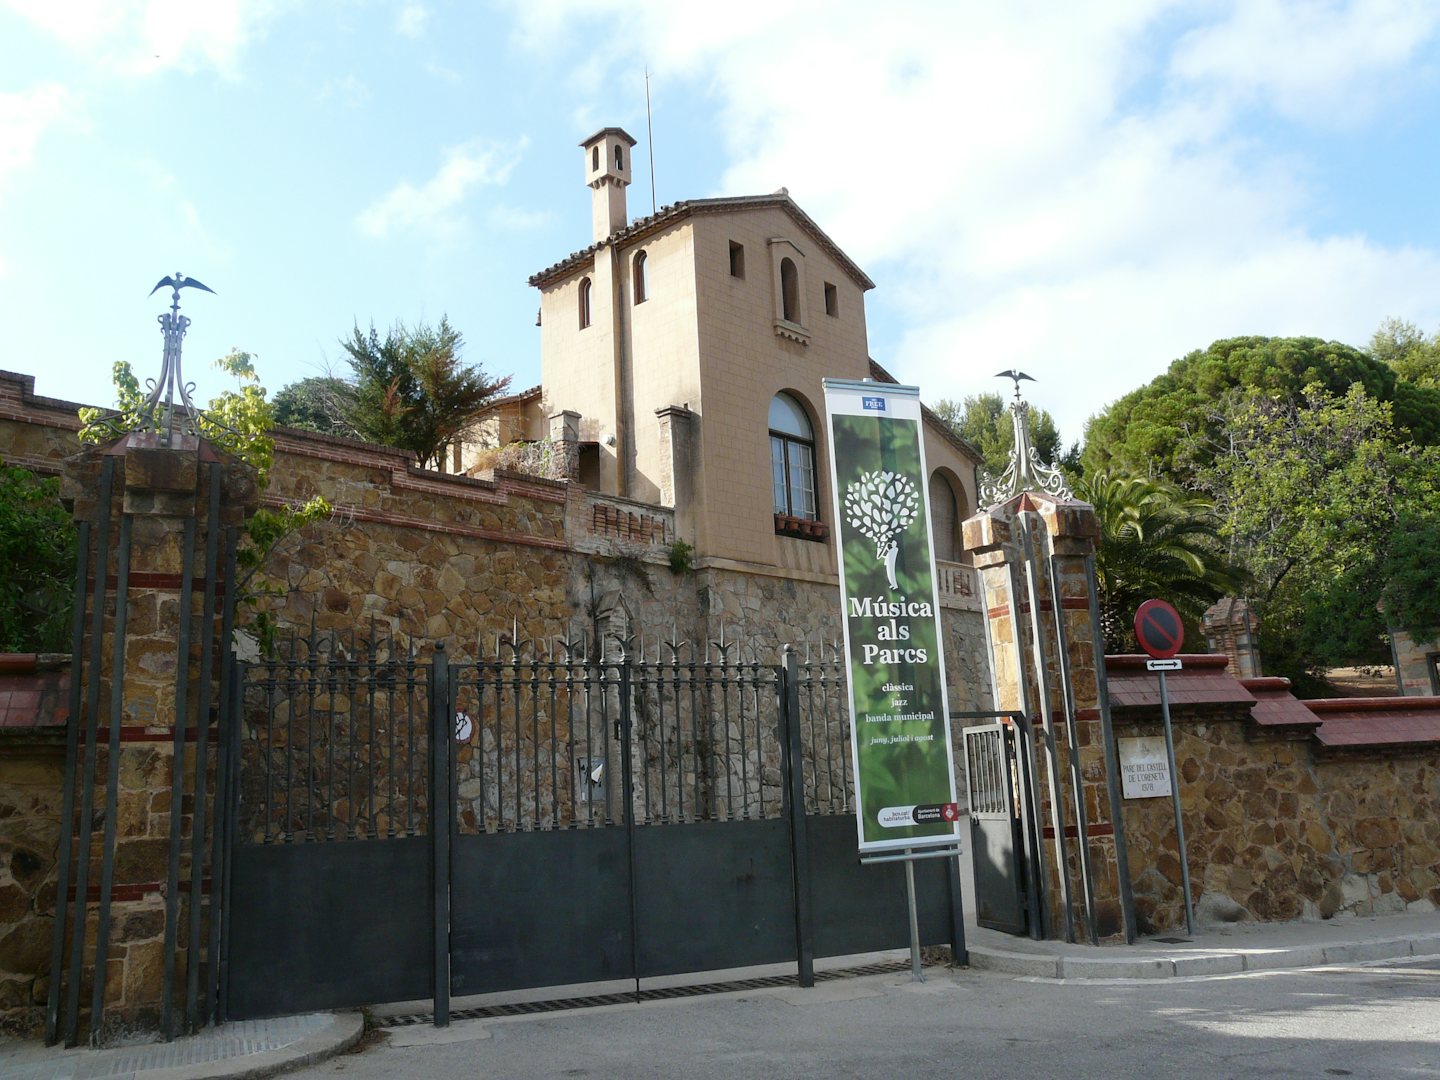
[857, 908]
[863, 908]
[331, 863]
[539, 909]
[996, 850]
[715, 894]
[325, 926]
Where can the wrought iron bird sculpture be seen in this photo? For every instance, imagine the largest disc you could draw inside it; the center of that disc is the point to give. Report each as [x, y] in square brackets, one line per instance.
[179, 281]
[1011, 373]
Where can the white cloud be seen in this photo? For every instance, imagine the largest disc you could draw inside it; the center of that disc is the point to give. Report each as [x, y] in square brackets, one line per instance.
[348, 90]
[434, 207]
[443, 73]
[139, 37]
[1318, 62]
[1074, 189]
[412, 19]
[26, 115]
[517, 219]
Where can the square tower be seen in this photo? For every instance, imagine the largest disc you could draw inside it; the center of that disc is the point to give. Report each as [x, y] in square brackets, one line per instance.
[607, 172]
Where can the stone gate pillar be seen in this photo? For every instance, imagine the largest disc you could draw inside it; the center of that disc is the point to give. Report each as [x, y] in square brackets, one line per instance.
[133, 942]
[1230, 627]
[1034, 555]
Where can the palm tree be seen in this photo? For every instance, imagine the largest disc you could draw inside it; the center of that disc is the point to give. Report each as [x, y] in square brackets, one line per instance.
[1156, 541]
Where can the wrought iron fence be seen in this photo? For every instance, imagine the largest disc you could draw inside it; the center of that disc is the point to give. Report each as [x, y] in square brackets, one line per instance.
[334, 741]
[336, 747]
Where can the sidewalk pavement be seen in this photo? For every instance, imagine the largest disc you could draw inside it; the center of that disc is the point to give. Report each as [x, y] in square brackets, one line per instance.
[256, 1048]
[246, 1048]
[1223, 950]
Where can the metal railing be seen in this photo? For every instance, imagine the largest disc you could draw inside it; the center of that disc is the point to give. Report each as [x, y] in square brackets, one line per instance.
[334, 742]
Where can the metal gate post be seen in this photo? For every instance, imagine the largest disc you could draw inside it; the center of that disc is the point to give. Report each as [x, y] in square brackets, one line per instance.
[959, 952]
[1112, 759]
[627, 797]
[441, 733]
[792, 764]
[67, 809]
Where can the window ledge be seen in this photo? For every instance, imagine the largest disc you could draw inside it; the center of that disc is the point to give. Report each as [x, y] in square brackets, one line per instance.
[792, 331]
[801, 528]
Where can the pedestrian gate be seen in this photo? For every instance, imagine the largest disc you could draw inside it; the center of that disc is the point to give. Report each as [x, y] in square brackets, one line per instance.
[997, 775]
[412, 827]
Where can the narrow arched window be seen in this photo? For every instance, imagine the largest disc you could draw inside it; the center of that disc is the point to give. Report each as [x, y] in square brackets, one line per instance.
[789, 291]
[595, 159]
[944, 519]
[792, 458]
[584, 303]
[639, 266]
[620, 159]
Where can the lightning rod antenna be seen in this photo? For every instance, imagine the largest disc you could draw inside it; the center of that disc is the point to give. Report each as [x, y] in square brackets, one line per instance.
[650, 140]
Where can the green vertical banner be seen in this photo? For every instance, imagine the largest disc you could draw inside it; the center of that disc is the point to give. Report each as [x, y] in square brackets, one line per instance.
[899, 716]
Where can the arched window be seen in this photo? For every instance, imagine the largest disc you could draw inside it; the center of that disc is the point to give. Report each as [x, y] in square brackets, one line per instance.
[789, 291]
[944, 519]
[584, 303]
[639, 277]
[620, 158]
[792, 458]
[595, 159]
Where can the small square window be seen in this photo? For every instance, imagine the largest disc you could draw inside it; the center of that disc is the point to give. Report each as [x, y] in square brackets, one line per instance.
[737, 259]
[832, 300]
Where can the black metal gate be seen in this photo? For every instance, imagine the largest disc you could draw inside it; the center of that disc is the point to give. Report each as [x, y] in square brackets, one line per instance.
[997, 774]
[603, 814]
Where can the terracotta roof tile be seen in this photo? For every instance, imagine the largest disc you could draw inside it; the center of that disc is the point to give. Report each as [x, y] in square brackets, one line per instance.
[1377, 722]
[31, 697]
[666, 215]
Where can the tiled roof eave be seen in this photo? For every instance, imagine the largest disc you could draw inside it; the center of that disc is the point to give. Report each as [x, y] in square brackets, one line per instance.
[644, 227]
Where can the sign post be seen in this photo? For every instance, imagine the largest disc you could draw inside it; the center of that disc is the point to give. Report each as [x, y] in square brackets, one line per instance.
[1160, 633]
[900, 751]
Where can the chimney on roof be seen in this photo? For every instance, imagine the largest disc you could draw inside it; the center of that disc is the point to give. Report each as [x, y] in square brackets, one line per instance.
[607, 172]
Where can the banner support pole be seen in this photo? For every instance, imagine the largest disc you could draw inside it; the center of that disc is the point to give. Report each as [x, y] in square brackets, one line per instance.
[916, 975]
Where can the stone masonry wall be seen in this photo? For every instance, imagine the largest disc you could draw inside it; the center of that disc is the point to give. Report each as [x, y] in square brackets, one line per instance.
[32, 768]
[1283, 829]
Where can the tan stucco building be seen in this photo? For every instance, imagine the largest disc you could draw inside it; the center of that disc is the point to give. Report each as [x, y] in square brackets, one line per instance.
[683, 355]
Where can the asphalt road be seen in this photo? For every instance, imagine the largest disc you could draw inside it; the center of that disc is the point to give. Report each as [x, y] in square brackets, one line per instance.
[1367, 1021]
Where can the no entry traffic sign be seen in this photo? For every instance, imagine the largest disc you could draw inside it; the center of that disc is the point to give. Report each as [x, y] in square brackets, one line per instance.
[1158, 629]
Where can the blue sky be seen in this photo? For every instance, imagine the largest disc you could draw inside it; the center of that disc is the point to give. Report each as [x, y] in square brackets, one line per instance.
[1086, 191]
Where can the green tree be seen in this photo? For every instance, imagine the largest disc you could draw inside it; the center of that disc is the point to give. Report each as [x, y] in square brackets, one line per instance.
[1156, 541]
[37, 550]
[1169, 428]
[984, 421]
[1331, 509]
[1414, 357]
[238, 421]
[320, 403]
[412, 390]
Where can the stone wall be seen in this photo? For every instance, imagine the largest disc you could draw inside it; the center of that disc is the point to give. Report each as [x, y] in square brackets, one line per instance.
[1282, 821]
[33, 708]
[36, 433]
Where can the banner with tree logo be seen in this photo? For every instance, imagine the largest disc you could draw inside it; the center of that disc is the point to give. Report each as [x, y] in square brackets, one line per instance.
[899, 717]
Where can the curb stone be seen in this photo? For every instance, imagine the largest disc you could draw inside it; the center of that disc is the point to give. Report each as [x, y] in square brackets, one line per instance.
[340, 1034]
[1078, 968]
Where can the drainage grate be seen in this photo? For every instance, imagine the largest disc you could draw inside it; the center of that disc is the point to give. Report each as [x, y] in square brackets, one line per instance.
[530, 1008]
[1171, 940]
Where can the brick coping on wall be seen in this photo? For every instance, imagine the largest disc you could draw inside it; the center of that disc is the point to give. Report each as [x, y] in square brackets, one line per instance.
[34, 691]
[1204, 683]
